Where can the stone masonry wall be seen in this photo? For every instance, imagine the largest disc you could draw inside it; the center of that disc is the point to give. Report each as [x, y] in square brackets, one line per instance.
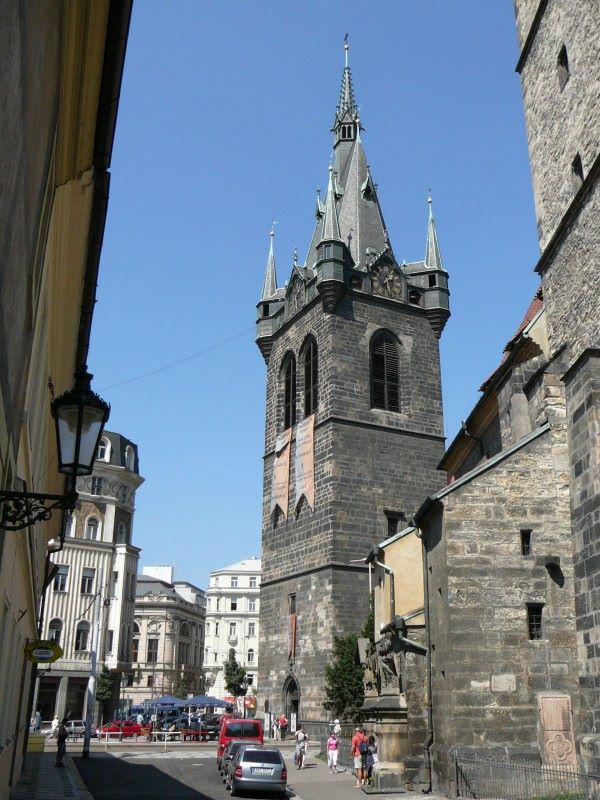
[561, 122]
[367, 461]
[583, 406]
[485, 669]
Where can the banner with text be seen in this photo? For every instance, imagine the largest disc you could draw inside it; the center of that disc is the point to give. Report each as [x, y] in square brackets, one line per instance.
[280, 482]
[304, 461]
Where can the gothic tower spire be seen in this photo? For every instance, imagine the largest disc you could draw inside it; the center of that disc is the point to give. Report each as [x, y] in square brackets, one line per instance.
[433, 258]
[270, 283]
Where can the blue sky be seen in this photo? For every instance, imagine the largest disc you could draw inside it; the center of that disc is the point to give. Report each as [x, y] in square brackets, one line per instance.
[223, 126]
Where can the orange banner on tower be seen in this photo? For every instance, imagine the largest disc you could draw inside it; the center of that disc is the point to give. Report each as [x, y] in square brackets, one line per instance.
[304, 461]
[280, 481]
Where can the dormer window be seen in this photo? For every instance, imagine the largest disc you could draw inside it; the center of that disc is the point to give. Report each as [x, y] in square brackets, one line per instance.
[347, 132]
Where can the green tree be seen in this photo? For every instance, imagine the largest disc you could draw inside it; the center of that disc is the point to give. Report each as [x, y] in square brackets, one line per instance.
[344, 680]
[182, 689]
[104, 690]
[235, 675]
[368, 631]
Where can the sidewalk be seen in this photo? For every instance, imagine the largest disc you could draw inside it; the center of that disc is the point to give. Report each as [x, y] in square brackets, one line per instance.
[42, 780]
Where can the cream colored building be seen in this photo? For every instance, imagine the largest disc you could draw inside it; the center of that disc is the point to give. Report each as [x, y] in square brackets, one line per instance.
[168, 637]
[61, 64]
[90, 603]
[232, 610]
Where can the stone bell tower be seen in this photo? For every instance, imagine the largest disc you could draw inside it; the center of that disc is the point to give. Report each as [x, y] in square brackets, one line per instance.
[354, 427]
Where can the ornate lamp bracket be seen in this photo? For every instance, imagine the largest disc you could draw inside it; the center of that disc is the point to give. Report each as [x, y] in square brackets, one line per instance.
[20, 510]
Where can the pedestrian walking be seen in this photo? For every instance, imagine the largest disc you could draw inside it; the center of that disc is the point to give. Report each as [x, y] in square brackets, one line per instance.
[276, 728]
[283, 723]
[359, 751]
[301, 743]
[61, 748]
[333, 747]
[372, 758]
[53, 728]
[337, 728]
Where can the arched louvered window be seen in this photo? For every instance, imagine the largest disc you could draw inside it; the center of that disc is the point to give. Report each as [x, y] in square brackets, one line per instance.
[385, 372]
[311, 376]
[289, 392]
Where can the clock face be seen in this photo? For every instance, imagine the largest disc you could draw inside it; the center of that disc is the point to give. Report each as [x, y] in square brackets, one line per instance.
[387, 282]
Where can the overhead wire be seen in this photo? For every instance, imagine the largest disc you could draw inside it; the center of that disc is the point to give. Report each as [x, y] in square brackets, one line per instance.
[179, 361]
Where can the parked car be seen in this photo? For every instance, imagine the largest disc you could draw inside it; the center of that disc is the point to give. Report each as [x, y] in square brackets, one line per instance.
[250, 730]
[76, 728]
[210, 725]
[231, 750]
[257, 768]
[127, 728]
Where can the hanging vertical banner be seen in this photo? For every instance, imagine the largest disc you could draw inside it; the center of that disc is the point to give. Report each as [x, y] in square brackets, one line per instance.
[304, 461]
[280, 482]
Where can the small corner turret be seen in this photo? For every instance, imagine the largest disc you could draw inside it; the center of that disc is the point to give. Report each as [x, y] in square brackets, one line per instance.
[331, 253]
[270, 302]
[428, 280]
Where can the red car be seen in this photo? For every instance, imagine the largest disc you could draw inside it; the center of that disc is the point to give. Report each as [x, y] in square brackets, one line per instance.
[126, 728]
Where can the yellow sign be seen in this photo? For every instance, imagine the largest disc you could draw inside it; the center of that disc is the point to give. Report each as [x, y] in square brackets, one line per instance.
[43, 652]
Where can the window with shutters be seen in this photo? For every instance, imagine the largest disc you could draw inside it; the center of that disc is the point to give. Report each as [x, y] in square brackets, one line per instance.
[289, 392]
[385, 372]
[311, 376]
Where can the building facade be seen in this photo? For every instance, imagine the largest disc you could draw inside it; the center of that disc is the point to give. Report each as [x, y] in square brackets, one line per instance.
[90, 602]
[168, 637]
[60, 73]
[511, 544]
[354, 402]
[232, 621]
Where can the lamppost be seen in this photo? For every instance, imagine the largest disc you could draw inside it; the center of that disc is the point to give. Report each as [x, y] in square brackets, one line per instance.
[244, 689]
[80, 416]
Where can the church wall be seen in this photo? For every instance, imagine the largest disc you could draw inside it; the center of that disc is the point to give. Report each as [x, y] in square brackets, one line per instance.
[486, 672]
[561, 122]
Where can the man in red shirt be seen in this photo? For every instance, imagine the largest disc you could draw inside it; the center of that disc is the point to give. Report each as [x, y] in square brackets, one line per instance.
[359, 751]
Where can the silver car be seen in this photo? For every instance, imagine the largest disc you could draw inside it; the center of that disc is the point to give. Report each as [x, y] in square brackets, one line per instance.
[258, 768]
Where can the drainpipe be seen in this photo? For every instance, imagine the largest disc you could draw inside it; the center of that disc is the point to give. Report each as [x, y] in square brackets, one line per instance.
[390, 572]
[429, 740]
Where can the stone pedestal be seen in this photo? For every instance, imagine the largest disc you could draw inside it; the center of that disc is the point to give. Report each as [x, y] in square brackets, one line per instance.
[385, 717]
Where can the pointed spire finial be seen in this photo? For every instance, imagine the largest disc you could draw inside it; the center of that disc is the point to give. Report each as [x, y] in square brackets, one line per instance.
[346, 49]
[433, 257]
[331, 224]
[295, 256]
[270, 283]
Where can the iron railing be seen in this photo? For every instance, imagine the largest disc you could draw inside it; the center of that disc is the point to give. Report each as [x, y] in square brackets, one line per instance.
[492, 779]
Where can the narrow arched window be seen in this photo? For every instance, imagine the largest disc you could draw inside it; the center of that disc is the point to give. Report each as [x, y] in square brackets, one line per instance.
[251, 656]
[81, 635]
[289, 392]
[55, 630]
[311, 376]
[129, 457]
[91, 529]
[121, 533]
[385, 372]
[103, 453]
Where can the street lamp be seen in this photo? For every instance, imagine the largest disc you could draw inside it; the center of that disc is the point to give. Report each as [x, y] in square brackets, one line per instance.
[244, 689]
[80, 416]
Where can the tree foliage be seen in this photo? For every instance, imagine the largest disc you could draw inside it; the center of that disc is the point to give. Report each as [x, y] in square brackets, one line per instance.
[344, 680]
[182, 689]
[235, 675]
[104, 689]
[368, 631]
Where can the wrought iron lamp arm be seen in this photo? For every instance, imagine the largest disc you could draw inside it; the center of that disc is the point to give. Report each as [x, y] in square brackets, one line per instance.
[22, 509]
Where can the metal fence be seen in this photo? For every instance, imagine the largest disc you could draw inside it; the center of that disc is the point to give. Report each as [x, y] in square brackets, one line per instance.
[502, 780]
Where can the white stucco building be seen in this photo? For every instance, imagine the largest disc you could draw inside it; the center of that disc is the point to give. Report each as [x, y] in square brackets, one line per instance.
[168, 637]
[95, 579]
[232, 609]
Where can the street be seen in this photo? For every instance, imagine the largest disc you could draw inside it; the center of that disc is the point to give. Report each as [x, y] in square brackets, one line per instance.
[191, 773]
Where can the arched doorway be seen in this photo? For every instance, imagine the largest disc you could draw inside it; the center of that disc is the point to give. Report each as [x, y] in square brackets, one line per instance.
[291, 699]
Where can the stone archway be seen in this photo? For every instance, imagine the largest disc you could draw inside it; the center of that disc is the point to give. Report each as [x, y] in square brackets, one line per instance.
[291, 699]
